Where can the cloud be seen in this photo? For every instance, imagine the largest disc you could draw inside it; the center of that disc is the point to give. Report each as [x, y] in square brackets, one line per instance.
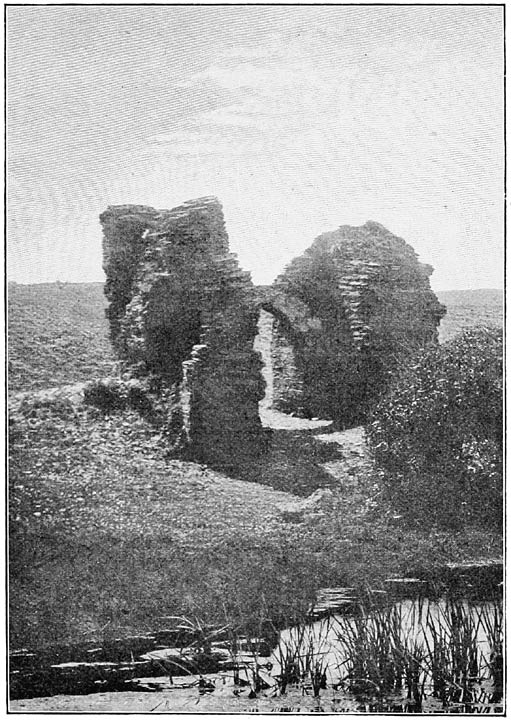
[298, 118]
[204, 140]
[315, 134]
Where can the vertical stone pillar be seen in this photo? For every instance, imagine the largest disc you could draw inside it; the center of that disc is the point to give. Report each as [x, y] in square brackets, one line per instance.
[183, 313]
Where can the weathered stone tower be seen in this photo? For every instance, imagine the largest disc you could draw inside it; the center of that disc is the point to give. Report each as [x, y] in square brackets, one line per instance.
[375, 307]
[183, 313]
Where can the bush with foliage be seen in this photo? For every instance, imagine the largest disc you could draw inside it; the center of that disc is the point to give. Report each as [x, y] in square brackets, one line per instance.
[114, 395]
[437, 436]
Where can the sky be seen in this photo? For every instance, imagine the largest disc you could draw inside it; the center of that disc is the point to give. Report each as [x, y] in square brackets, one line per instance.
[298, 118]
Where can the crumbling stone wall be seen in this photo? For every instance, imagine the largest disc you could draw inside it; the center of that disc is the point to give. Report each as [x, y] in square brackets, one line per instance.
[375, 306]
[183, 314]
[288, 385]
[125, 229]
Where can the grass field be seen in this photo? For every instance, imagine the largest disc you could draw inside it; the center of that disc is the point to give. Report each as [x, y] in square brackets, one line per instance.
[468, 308]
[57, 334]
[107, 534]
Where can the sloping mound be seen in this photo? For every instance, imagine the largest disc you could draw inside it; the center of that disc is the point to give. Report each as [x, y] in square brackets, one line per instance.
[106, 534]
[75, 470]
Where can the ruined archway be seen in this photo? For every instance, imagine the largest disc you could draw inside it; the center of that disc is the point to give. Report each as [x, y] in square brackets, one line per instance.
[276, 343]
[311, 356]
[342, 317]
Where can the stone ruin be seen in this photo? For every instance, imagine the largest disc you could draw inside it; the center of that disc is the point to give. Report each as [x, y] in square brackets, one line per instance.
[184, 316]
[373, 305]
[183, 313]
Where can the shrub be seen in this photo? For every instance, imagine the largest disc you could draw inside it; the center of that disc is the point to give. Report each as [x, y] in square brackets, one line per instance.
[113, 395]
[108, 395]
[437, 434]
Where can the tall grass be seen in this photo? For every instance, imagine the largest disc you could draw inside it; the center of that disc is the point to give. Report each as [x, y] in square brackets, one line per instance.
[382, 652]
[450, 651]
[465, 652]
[303, 658]
[492, 620]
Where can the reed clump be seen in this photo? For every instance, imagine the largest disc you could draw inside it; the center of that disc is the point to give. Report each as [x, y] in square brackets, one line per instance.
[449, 651]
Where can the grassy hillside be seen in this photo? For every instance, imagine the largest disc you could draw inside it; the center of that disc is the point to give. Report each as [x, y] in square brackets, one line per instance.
[58, 334]
[107, 535]
[466, 308]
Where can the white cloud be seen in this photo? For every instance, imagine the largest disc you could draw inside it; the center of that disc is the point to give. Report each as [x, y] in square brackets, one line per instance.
[345, 115]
